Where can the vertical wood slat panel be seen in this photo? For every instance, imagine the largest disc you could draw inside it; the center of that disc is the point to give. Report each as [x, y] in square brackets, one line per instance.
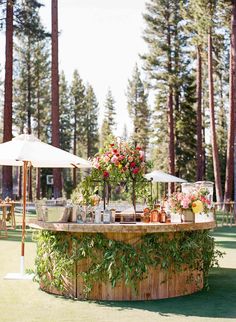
[159, 284]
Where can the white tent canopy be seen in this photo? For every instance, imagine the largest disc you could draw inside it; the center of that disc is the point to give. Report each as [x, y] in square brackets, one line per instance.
[160, 176]
[26, 147]
[26, 150]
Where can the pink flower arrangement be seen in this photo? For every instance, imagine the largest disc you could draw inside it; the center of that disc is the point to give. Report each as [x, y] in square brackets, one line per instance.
[196, 201]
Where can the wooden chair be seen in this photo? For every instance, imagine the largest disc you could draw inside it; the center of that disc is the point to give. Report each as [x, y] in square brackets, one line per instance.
[3, 222]
[11, 215]
[228, 212]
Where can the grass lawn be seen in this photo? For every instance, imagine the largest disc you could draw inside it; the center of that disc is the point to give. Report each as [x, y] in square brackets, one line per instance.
[24, 301]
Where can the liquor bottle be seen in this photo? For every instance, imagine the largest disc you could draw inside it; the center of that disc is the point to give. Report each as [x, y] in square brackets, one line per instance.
[154, 215]
[162, 215]
[106, 216]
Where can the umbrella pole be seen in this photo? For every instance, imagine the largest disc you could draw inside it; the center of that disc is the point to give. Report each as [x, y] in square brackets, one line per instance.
[25, 168]
[22, 275]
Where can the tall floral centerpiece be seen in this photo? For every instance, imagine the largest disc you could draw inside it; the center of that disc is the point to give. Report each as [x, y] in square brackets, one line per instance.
[121, 161]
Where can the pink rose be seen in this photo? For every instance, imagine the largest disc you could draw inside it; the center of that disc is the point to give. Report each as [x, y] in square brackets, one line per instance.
[96, 164]
[141, 155]
[106, 158]
[114, 159]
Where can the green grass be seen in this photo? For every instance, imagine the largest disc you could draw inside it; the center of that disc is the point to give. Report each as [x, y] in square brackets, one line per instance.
[23, 301]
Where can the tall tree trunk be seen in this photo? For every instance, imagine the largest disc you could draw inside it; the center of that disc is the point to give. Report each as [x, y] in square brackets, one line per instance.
[232, 110]
[74, 148]
[200, 167]
[29, 129]
[7, 117]
[38, 172]
[171, 136]
[216, 163]
[57, 182]
[88, 133]
[170, 108]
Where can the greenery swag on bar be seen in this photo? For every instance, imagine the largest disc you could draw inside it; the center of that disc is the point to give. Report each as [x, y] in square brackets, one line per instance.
[58, 254]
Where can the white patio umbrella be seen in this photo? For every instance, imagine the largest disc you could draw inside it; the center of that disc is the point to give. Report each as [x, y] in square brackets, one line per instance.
[26, 150]
[160, 176]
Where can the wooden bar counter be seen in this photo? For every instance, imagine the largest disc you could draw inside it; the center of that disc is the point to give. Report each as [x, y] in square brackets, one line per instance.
[156, 284]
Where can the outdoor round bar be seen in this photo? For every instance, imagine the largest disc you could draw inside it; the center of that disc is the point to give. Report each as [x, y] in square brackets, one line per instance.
[158, 283]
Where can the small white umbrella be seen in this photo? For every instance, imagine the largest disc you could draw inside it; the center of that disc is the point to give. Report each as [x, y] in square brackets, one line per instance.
[26, 150]
[160, 176]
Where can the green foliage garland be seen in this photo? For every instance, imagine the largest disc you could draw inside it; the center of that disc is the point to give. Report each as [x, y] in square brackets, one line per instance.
[113, 260]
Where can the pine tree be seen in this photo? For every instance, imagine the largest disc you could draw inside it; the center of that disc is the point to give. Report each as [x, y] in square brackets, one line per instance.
[65, 127]
[159, 35]
[221, 50]
[110, 111]
[138, 109]
[78, 116]
[41, 83]
[32, 65]
[195, 22]
[159, 143]
[41, 115]
[167, 65]
[91, 122]
[105, 133]
[215, 154]
[65, 114]
[230, 165]
[186, 132]
[108, 124]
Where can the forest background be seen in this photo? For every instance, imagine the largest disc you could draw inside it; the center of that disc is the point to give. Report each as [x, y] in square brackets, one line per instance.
[187, 129]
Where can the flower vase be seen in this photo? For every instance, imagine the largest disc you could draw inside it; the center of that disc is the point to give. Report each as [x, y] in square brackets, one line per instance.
[188, 215]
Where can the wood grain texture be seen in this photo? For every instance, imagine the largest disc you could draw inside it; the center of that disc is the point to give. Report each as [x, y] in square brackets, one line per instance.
[122, 228]
[157, 284]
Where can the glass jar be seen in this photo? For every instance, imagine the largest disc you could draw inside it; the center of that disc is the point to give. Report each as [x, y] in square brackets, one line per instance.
[188, 187]
[209, 186]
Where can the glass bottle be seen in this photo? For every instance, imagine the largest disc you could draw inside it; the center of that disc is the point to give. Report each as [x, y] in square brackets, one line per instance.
[79, 215]
[168, 217]
[113, 215]
[89, 215]
[106, 216]
[154, 215]
[163, 215]
[98, 215]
